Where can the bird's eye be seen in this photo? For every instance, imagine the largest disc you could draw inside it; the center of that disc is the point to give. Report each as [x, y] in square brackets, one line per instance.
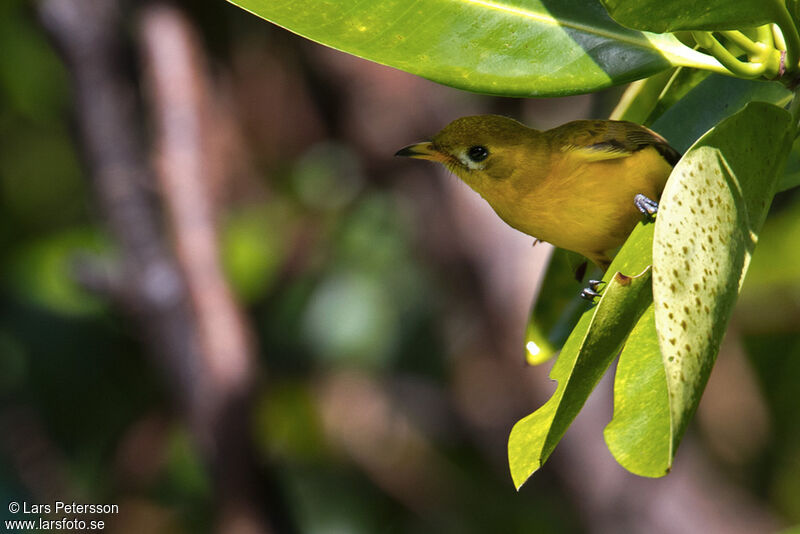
[478, 153]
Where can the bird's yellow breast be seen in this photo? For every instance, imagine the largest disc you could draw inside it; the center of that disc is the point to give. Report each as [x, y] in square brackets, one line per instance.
[580, 205]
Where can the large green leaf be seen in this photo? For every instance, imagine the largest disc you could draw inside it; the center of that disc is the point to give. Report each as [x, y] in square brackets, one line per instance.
[513, 47]
[670, 16]
[712, 210]
[586, 355]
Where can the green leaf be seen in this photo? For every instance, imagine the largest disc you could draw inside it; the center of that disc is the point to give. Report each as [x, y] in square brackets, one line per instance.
[709, 102]
[43, 271]
[513, 48]
[679, 85]
[789, 181]
[773, 273]
[791, 176]
[556, 309]
[639, 434]
[675, 15]
[586, 355]
[712, 210]
[641, 96]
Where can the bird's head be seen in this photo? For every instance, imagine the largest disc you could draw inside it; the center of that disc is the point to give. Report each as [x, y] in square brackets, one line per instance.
[482, 150]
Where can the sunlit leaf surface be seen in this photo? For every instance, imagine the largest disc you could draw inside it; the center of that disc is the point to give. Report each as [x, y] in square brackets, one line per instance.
[711, 213]
[504, 47]
[586, 355]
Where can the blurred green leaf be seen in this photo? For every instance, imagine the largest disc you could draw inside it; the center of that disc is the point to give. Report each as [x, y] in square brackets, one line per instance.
[287, 424]
[776, 359]
[185, 471]
[519, 48]
[774, 272]
[711, 212]
[586, 355]
[43, 271]
[674, 15]
[32, 79]
[253, 248]
[41, 186]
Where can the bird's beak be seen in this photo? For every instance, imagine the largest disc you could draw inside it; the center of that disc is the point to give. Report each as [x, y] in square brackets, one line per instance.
[421, 151]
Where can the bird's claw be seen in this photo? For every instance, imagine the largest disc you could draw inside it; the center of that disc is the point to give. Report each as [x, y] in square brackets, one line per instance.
[589, 293]
[594, 284]
[647, 206]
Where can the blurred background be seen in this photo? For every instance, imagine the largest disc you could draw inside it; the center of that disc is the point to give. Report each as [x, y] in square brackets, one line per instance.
[225, 307]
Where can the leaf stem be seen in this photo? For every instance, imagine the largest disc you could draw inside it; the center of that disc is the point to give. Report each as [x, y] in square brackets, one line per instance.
[754, 49]
[765, 35]
[728, 60]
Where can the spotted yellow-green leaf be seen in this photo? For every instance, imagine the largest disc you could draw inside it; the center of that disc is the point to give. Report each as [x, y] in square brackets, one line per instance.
[509, 47]
[588, 351]
[712, 210]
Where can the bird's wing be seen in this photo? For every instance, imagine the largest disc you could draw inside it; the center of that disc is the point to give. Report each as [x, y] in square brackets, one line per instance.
[603, 140]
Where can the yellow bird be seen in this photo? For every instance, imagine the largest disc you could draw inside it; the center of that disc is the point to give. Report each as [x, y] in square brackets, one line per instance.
[582, 186]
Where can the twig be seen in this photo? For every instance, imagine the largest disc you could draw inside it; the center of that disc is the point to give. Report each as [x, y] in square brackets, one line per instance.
[179, 101]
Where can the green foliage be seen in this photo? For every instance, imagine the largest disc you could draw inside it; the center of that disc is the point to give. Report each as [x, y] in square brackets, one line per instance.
[520, 48]
[591, 347]
[689, 15]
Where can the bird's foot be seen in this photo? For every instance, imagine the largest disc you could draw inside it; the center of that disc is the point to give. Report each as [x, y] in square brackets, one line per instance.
[589, 293]
[647, 206]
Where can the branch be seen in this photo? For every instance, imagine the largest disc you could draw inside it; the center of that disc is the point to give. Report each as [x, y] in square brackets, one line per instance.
[180, 99]
[85, 33]
[191, 326]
